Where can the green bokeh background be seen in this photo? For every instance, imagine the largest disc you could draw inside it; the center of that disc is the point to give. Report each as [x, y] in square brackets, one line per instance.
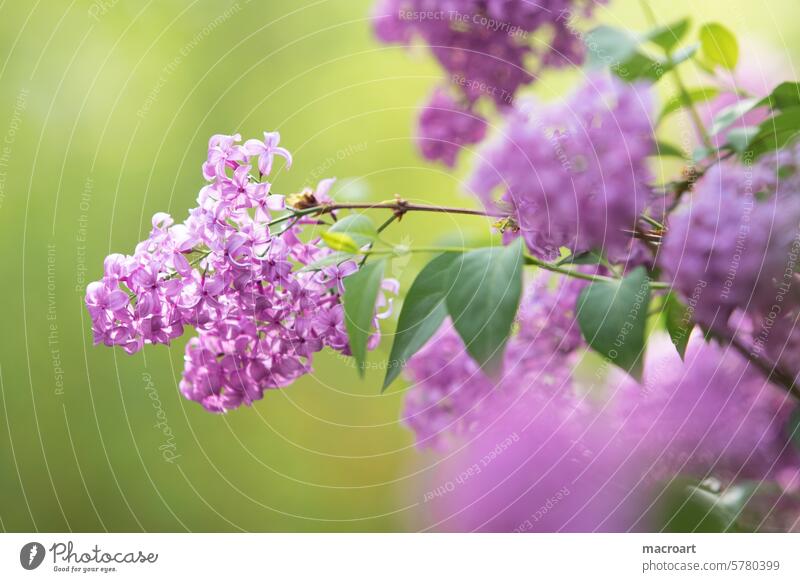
[106, 111]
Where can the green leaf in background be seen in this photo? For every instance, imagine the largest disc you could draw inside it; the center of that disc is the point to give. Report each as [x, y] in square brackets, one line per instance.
[360, 294]
[339, 241]
[740, 138]
[424, 309]
[358, 226]
[783, 96]
[793, 429]
[695, 507]
[682, 54]
[584, 258]
[669, 35]
[483, 301]
[719, 46]
[731, 114]
[696, 95]
[640, 67]
[609, 47]
[678, 322]
[612, 317]
[776, 132]
[665, 149]
[621, 51]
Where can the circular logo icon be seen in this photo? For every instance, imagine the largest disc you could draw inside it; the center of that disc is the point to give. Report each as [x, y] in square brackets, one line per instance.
[31, 555]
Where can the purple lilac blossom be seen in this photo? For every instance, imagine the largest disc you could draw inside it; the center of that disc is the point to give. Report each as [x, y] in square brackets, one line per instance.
[259, 316]
[541, 464]
[484, 45]
[713, 414]
[537, 468]
[573, 174]
[445, 127]
[486, 49]
[733, 243]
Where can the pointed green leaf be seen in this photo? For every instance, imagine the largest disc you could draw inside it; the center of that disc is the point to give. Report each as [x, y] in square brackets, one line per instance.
[776, 132]
[607, 46]
[679, 323]
[612, 317]
[664, 149]
[484, 299]
[423, 311]
[681, 55]
[584, 258]
[783, 96]
[793, 429]
[360, 294]
[696, 95]
[719, 46]
[731, 114]
[740, 138]
[669, 35]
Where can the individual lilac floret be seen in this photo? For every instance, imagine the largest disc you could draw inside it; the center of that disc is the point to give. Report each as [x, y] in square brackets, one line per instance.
[259, 315]
[445, 127]
[574, 174]
[734, 243]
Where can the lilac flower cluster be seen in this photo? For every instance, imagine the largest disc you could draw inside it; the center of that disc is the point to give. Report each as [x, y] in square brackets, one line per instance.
[711, 415]
[484, 46]
[734, 244]
[445, 127]
[547, 464]
[259, 315]
[573, 174]
[487, 42]
[451, 396]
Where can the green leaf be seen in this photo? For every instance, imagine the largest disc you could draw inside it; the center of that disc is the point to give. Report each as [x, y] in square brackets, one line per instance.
[360, 294]
[776, 132]
[731, 114]
[665, 149]
[693, 507]
[339, 241]
[483, 301]
[358, 226]
[696, 95]
[719, 46]
[740, 138]
[638, 67]
[700, 153]
[584, 258]
[670, 35]
[679, 323]
[619, 50]
[793, 429]
[783, 96]
[424, 309]
[683, 54]
[607, 46]
[612, 317]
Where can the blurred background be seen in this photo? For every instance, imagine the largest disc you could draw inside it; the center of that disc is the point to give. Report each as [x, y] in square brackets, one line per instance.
[107, 107]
